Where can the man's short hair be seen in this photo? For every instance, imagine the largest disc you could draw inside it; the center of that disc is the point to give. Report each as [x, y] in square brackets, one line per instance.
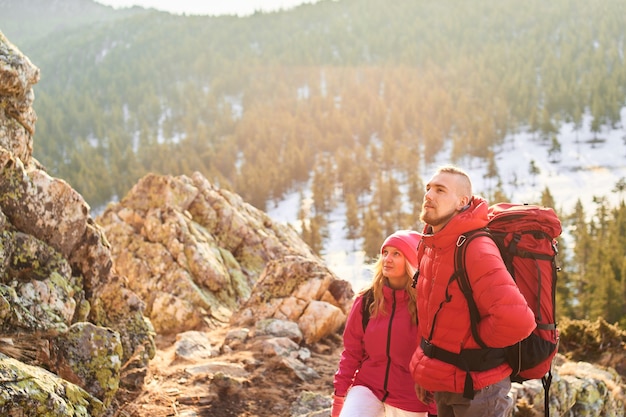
[466, 182]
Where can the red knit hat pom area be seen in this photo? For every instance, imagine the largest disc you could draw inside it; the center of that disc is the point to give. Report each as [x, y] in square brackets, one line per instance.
[406, 242]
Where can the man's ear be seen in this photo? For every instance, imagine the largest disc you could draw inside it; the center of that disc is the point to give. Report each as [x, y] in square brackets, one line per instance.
[463, 203]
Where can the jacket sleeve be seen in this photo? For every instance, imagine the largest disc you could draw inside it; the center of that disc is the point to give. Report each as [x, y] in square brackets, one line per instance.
[353, 349]
[506, 318]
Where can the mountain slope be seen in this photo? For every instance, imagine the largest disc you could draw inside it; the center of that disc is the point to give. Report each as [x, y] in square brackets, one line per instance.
[29, 21]
[236, 97]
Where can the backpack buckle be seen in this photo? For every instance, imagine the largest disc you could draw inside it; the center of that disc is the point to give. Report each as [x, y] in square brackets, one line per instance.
[428, 348]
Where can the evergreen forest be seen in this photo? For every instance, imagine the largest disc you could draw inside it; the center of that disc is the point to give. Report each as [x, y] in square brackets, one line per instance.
[348, 97]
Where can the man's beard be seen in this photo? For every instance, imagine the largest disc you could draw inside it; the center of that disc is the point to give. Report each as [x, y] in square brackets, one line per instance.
[432, 219]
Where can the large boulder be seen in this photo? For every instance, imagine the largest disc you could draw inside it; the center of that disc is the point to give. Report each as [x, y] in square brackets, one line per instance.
[63, 307]
[196, 254]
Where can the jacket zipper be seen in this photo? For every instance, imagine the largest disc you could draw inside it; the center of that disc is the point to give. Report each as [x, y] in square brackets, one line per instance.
[388, 347]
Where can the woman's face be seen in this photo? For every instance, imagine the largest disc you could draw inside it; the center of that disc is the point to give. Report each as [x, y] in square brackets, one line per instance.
[394, 268]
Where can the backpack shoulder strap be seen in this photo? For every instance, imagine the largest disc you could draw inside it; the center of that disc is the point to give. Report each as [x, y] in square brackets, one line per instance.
[368, 299]
[460, 273]
[420, 253]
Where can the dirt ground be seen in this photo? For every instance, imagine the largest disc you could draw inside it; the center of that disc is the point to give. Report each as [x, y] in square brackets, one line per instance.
[270, 389]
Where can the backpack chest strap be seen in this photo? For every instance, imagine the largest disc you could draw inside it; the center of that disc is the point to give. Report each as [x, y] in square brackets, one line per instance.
[477, 360]
[467, 359]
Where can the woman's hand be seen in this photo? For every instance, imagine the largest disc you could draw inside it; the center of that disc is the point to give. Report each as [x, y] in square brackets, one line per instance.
[425, 396]
[335, 410]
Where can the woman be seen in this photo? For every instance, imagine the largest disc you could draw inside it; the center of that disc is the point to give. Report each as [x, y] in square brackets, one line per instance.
[373, 377]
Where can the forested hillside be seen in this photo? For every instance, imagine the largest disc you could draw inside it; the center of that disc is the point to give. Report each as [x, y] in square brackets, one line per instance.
[352, 95]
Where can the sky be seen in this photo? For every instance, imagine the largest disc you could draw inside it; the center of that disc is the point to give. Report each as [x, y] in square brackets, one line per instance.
[583, 172]
[209, 7]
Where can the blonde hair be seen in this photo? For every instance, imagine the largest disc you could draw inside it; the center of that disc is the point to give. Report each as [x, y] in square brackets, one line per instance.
[465, 184]
[378, 282]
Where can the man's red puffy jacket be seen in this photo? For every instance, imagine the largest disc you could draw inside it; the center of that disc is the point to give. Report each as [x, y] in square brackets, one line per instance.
[443, 312]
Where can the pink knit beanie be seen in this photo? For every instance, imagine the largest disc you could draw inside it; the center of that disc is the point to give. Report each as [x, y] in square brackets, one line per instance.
[406, 242]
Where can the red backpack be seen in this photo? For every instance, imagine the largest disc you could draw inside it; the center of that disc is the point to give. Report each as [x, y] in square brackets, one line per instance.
[526, 236]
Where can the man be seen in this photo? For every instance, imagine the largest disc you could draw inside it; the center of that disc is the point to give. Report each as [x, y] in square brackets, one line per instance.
[466, 381]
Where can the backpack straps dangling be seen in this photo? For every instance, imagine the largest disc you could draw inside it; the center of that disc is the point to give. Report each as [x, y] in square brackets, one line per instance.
[546, 381]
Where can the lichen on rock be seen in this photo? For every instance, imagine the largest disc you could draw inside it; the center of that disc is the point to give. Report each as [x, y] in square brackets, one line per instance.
[62, 306]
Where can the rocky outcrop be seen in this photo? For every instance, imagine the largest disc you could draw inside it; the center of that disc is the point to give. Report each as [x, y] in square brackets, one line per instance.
[577, 389]
[196, 253]
[302, 291]
[84, 299]
[63, 307]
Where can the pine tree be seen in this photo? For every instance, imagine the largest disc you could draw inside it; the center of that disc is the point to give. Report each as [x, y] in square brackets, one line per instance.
[416, 197]
[498, 195]
[554, 153]
[372, 233]
[547, 200]
[582, 254]
[352, 217]
[315, 234]
[547, 127]
[598, 275]
[323, 185]
[533, 170]
[492, 168]
[620, 187]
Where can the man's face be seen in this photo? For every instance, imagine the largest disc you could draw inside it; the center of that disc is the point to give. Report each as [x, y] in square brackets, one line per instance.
[442, 200]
